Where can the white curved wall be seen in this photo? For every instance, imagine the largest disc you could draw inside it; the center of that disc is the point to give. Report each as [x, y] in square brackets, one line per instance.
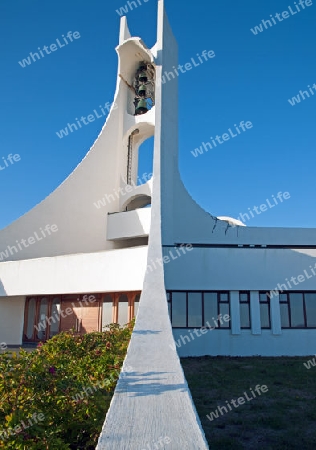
[81, 226]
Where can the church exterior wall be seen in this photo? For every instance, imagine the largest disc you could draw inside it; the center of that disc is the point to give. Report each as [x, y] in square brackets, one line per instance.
[223, 343]
[11, 320]
[242, 269]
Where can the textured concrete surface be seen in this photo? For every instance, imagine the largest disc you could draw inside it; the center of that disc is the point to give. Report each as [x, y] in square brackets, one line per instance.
[152, 400]
[152, 406]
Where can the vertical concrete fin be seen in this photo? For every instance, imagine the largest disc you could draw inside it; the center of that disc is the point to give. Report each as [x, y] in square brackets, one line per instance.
[167, 118]
[124, 31]
[156, 389]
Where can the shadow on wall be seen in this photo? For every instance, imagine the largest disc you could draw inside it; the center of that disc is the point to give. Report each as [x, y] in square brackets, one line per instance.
[145, 332]
[139, 201]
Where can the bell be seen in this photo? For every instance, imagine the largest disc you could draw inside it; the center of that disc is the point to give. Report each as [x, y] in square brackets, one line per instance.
[142, 90]
[141, 107]
[143, 77]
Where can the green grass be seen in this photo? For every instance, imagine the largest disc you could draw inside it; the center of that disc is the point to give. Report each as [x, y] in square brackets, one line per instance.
[282, 418]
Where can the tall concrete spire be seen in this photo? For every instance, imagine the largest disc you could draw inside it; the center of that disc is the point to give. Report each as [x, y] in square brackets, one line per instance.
[152, 403]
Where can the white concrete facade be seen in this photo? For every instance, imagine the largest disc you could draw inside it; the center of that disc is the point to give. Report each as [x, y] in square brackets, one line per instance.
[252, 342]
[11, 319]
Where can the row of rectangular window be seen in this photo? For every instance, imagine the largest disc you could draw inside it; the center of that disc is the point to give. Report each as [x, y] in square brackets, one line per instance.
[191, 309]
[265, 314]
[199, 309]
[298, 309]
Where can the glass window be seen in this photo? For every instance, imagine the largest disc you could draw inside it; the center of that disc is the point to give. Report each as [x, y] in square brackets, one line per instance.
[107, 311]
[244, 315]
[284, 311]
[224, 310]
[210, 308]
[243, 296]
[179, 309]
[54, 318]
[195, 309]
[263, 296]
[169, 309]
[310, 305]
[244, 310]
[42, 324]
[297, 310]
[31, 310]
[264, 315]
[264, 310]
[136, 304]
[123, 310]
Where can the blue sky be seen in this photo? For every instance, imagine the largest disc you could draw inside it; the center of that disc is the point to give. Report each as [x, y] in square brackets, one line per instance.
[251, 78]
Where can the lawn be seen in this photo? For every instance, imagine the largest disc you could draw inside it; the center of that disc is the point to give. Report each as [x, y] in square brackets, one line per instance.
[282, 417]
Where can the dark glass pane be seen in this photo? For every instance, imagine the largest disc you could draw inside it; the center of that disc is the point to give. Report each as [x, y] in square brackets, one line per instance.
[244, 315]
[136, 304]
[107, 311]
[123, 310]
[169, 309]
[297, 311]
[42, 325]
[224, 310]
[243, 296]
[195, 309]
[31, 318]
[223, 297]
[210, 308]
[54, 318]
[264, 315]
[310, 303]
[283, 297]
[263, 297]
[284, 310]
[179, 309]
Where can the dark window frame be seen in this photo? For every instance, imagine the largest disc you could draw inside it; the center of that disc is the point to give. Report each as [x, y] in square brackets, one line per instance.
[219, 303]
[287, 302]
[266, 302]
[245, 302]
[305, 309]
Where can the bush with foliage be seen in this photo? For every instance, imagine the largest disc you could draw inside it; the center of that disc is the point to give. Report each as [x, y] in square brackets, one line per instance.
[57, 396]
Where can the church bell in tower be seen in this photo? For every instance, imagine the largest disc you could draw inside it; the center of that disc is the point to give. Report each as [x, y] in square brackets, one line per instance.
[144, 88]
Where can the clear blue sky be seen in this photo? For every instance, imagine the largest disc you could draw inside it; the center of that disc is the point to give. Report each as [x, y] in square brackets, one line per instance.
[250, 79]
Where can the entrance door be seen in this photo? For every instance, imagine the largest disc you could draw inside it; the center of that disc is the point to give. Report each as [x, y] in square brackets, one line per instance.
[46, 316]
[41, 318]
[82, 317]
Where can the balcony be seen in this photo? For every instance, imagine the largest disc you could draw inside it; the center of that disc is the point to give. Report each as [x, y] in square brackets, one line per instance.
[128, 224]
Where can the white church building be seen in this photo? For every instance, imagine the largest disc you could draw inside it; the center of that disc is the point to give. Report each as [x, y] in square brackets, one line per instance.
[197, 284]
[66, 248]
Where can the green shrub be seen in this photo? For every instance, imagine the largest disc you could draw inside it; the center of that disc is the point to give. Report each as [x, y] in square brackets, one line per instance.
[57, 396]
